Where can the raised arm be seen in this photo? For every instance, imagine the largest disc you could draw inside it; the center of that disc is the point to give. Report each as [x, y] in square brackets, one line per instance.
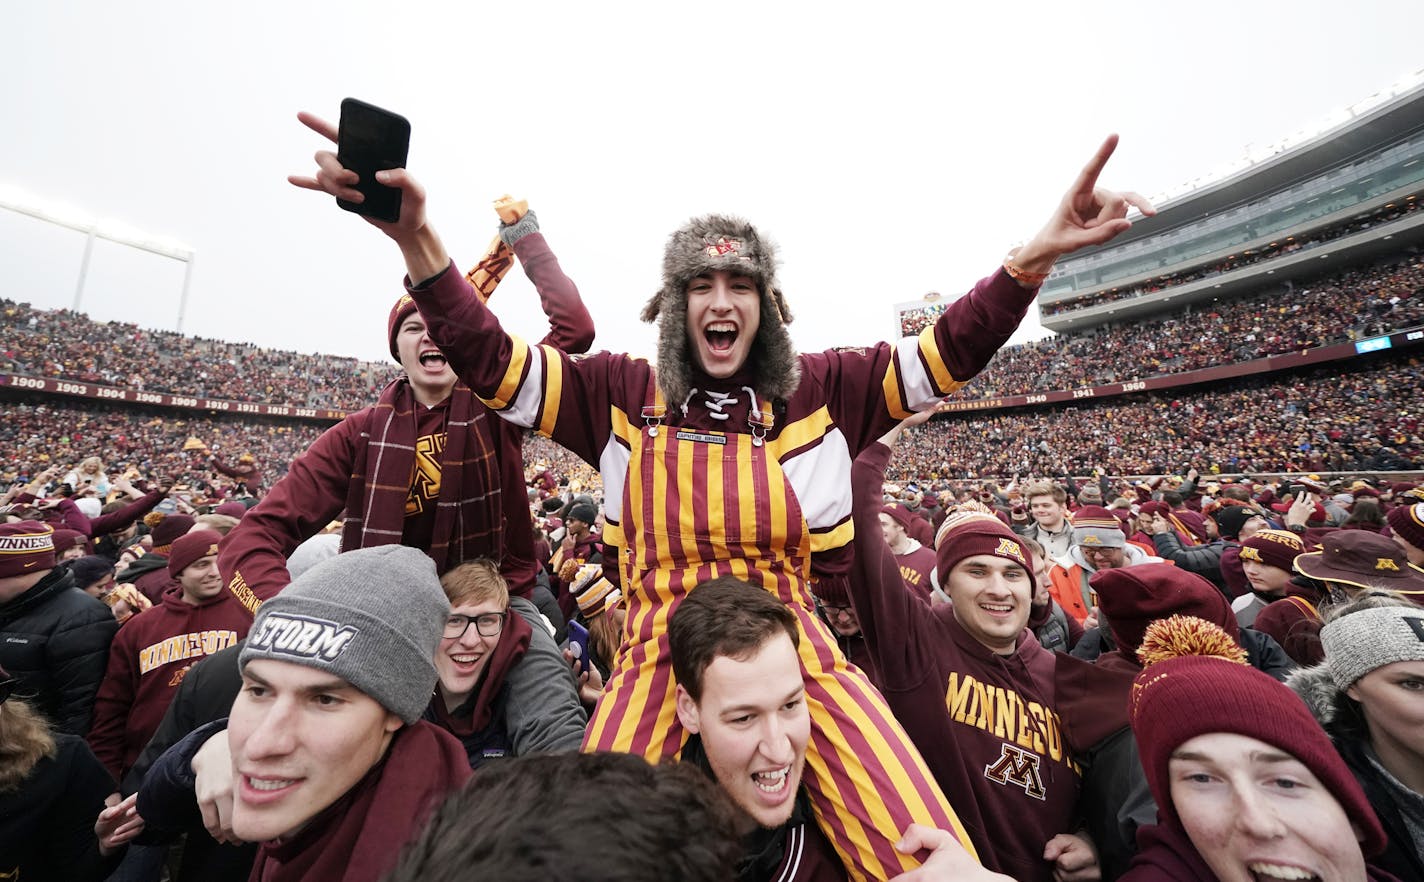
[891, 618]
[106, 524]
[914, 373]
[535, 386]
[253, 557]
[570, 325]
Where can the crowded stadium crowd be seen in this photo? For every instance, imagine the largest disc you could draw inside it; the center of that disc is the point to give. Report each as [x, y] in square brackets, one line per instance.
[1325, 419]
[756, 615]
[68, 345]
[39, 432]
[1350, 305]
[1286, 245]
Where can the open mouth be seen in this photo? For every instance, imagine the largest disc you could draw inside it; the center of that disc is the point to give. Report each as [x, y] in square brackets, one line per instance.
[772, 782]
[997, 609]
[720, 336]
[432, 359]
[1262, 871]
[260, 791]
[466, 662]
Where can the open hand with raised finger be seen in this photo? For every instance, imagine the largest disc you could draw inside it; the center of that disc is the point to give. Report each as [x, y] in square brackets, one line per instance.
[1087, 215]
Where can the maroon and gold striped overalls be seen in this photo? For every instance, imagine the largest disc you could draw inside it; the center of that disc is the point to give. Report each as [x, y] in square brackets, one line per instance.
[697, 505]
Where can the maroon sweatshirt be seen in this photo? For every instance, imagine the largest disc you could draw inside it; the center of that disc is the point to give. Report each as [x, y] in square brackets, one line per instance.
[915, 568]
[997, 732]
[147, 660]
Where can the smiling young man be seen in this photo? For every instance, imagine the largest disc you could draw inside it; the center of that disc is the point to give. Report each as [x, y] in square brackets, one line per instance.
[331, 767]
[488, 638]
[1000, 720]
[154, 650]
[741, 698]
[1248, 786]
[731, 459]
[1048, 504]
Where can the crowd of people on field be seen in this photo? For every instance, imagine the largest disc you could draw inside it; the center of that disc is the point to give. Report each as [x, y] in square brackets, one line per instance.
[758, 647]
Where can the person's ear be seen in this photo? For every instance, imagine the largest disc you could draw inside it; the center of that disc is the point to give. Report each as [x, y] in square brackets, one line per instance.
[393, 723]
[687, 712]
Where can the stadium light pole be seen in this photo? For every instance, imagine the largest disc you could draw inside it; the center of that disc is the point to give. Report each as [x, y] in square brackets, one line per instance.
[94, 229]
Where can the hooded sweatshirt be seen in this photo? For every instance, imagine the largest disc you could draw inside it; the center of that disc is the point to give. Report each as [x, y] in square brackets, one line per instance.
[147, 660]
[479, 722]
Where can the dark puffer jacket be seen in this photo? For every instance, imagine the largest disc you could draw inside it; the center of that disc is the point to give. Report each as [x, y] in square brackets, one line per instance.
[55, 639]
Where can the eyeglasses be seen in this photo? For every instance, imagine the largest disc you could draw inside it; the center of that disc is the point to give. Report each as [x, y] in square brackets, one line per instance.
[831, 609]
[7, 687]
[486, 625]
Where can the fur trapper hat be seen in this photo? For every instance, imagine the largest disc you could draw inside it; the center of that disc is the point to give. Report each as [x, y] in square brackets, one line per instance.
[718, 242]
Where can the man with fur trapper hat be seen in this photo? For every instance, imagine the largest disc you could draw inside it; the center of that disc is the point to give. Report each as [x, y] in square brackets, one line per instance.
[733, 458]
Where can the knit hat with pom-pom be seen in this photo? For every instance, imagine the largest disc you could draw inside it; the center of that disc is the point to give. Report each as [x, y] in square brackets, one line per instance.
[1196, 681]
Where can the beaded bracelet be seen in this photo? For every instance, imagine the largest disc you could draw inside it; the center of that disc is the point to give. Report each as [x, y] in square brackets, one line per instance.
[1023, 276]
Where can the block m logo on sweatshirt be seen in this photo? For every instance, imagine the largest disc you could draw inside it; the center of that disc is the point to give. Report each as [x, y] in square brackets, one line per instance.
[302, 637]
[1018, 767]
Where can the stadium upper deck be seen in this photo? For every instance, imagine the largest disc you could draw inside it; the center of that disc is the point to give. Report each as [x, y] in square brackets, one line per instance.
[1293, 207]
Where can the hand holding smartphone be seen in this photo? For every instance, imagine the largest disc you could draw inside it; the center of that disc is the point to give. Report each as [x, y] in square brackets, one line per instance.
[370, 139]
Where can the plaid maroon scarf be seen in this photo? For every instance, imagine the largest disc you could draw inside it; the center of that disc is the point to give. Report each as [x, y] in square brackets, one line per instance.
[469, 521]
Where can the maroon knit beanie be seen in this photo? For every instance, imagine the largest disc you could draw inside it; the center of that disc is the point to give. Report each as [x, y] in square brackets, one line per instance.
[1193, 523]
[190, 548]
[831, 591]
[170, 528]
[899, 513]
[970, 533]
[1407, 522]
[1153, 507]
[1132, 598]
[1192, 692]
[1274, 548]
[403, 308]
[67, 539]
[26, 547]
[232, 509]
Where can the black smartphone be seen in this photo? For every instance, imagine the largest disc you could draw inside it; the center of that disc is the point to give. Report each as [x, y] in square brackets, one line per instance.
[370, 140]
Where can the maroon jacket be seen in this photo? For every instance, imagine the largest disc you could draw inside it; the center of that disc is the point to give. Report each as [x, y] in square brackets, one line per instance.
[997, 732]
[147, 660]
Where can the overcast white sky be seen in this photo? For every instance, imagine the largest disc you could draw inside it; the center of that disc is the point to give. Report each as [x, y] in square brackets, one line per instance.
[890, 148]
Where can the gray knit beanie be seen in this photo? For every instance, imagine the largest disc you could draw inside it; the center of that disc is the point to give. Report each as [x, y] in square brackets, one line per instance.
[372, 617]
[1363, 641]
